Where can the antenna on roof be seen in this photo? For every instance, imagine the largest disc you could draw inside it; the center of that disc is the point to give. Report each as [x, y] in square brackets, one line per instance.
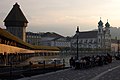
[107, 20]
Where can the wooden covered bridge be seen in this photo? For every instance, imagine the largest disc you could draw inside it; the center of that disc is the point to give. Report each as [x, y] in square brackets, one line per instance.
[13, 49]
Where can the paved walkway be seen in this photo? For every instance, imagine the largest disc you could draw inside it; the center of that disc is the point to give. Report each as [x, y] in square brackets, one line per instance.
[106, 72]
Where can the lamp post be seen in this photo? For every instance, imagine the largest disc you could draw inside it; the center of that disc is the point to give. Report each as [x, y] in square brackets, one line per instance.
[118, 46]
[77, 47]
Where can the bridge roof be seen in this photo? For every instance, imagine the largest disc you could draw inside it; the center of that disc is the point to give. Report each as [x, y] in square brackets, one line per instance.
[46, 48]
[9, 36]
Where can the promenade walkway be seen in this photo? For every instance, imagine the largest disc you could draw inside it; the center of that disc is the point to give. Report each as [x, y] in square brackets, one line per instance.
[105, 72]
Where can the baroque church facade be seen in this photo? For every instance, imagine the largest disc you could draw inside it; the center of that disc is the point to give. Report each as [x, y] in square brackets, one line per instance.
[91, 40]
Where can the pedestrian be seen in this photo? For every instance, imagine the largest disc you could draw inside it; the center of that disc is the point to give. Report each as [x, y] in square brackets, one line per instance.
[109, 58]
[71, 61]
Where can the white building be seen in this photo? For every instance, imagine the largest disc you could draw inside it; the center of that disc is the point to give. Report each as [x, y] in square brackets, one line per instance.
[33, 38]
[48, 37]
[99, 39]
[41, 38]
[61, 42]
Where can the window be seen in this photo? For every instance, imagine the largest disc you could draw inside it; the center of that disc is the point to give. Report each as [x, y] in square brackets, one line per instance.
[91, 41]
[86, 41]
[99, 40]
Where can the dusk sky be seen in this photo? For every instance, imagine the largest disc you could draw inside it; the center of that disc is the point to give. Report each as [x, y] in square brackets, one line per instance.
[62, 16]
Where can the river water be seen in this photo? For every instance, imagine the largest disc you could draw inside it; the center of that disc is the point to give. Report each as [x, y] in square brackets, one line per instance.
[35, 60]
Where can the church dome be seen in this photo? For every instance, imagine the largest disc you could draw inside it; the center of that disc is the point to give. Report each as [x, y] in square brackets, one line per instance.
[100, 23]
[107, 24]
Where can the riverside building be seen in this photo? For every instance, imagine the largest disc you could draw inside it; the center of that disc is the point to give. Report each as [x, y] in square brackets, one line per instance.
[99, 39]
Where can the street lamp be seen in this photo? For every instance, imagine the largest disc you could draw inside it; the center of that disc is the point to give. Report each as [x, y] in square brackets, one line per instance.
[77, 34]
[118, 46]
[77, 46]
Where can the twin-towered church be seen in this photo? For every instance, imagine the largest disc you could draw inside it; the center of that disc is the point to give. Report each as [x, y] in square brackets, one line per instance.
[99, 39]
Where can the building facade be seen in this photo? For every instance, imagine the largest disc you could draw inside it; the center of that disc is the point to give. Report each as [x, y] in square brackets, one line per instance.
[16, 22]
[92, 40]
[61, 42]
[33, 38]
[41, 38]
[114, 45]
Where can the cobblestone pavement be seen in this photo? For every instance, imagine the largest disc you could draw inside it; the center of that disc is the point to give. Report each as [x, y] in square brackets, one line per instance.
[105, 72]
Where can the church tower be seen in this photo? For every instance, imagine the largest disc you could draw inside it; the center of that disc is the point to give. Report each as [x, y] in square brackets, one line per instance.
[100, 34]
[16, 22]
[107, 28]
[107, 36]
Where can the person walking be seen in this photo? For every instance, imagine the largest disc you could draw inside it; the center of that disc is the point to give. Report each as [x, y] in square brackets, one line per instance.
[71, 61]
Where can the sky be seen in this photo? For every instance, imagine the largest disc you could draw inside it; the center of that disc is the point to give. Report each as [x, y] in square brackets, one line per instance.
[63, 16]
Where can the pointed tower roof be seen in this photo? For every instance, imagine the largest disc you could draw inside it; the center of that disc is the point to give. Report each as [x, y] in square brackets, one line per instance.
[107, 24]
[100, 23]
[16, 15]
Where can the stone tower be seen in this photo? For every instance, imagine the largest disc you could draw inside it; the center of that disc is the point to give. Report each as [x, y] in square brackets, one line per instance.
[100, 34]
[107, 36]
[16, 22]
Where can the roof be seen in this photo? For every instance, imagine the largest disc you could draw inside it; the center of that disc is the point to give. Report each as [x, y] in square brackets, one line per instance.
[107, 25]
[8, 35]
[62, 39]
[57, 38]
[16, 14]
[32, 34]
[46, 48]
[51, 34]
[87, 34]
[100, 23]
